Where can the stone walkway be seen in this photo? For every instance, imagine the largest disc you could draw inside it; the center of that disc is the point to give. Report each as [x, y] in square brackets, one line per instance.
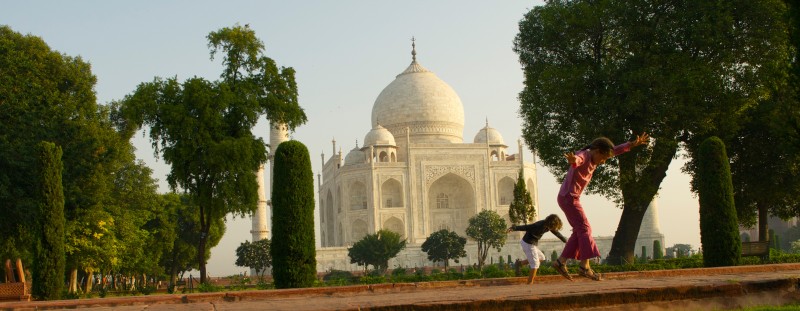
[697, 289]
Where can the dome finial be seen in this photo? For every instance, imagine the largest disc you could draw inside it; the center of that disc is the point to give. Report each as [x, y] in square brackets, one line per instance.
[487, 122]
[413, 50]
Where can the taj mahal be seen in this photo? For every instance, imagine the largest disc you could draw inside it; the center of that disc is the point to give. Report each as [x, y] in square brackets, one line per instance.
[414, 174]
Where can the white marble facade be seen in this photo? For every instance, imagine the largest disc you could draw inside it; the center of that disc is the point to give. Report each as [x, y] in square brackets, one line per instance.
[414, 175]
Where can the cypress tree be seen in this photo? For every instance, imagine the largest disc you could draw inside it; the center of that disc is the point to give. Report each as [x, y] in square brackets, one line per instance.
[658, 253]
[644, 253]
[719, 232]
[521, 209]
[48, 268]
[293, 254]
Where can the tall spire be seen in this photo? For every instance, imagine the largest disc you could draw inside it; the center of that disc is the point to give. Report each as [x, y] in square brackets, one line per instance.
[414, 67]
[413, 50]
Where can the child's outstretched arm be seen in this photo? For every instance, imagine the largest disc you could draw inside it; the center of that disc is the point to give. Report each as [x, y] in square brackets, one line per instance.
[571, 158]
[640, 140]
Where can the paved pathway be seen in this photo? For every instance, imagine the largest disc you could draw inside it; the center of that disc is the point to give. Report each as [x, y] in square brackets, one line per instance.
[708, 288]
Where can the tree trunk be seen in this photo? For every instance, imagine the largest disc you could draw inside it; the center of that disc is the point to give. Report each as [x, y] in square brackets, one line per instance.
[763, 223]
[638, 190]
[205, 225]
[201, 257]
[89, 278]
[622, 247]
[173, 274]
[73, 280]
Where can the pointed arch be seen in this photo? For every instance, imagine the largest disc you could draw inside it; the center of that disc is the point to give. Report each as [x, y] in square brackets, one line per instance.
[329, 219]
[450, 203]
[392, 193]
[383, 157]
[358, 195]
[505, 191]
[532, 190]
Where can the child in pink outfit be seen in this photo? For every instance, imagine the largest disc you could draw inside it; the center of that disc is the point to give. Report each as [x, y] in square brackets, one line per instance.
[580, 244]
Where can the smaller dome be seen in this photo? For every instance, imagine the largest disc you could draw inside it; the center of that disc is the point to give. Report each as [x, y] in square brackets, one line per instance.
[492, 134]
[355, 156]
[379, 136]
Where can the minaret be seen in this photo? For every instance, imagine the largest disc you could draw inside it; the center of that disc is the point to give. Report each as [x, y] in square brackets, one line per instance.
[650, 231]
[260, 230]
[278, 133]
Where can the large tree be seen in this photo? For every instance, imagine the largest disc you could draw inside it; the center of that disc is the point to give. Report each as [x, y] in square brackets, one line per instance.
[489, 230]
[677, 70]
[765, 152]
[182, 256]
[49, 96]
[203, 129]
[254, 256]
[444, 245]
[376, 249]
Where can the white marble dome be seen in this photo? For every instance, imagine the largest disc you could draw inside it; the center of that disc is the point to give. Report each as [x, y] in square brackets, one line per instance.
[355, 156]
[491, 134]
[379, 136]
[418, 100]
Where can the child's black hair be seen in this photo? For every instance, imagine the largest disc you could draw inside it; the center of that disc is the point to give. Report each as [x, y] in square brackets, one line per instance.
[603, 144]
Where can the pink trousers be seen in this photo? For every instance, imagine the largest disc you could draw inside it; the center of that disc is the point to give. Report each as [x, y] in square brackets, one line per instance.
[580, 244]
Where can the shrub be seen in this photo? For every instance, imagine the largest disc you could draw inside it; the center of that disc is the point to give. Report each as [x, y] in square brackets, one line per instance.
[492, 271]
[293, 252]
[719, 230]
[48, 272]
[658, 252]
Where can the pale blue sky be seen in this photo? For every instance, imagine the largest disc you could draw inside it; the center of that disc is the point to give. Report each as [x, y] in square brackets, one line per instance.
[345, 53]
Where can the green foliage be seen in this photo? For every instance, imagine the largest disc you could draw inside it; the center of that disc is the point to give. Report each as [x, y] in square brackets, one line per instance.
[719, 229]
[766, 149]
[255, 256]
[493, 271]
[183, 255]
[337, 274]
[554, 256]
[48, 271]
[203, 129]
[208, 288]
[658, 252]
[49, 96]
[617, 68]
[376, 249]
[444, 245]
[293, 252]
[521, 209]
[489, 230]
[372, 279]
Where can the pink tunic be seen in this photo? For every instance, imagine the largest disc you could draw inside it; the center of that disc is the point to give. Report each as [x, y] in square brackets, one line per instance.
[580, 244]
[581, 172]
